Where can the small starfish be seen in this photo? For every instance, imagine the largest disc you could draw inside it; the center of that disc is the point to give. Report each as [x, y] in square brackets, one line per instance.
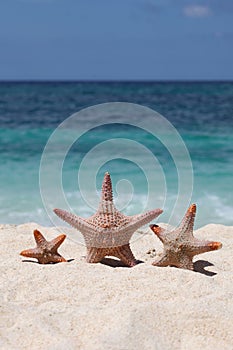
[108, 231]
[180, 246]
[45, 252]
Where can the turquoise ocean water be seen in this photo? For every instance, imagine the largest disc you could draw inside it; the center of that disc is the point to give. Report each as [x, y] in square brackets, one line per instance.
[201, 112]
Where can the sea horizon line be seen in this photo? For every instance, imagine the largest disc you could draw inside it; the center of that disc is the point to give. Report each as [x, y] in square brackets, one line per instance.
[115, 81]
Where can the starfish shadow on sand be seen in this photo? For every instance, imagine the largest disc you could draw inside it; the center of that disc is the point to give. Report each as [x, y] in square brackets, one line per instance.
[51, 263]
[199, 266]
[116, 263]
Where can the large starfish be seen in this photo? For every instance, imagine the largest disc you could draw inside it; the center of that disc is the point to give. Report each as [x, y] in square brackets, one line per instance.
[108, 231]
[180, 246]
[45, 252]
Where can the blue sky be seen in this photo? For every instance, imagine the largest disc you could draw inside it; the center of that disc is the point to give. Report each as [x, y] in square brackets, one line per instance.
[116, 39]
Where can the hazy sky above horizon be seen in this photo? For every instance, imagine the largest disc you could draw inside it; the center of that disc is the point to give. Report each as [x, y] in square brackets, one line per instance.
[109, 39]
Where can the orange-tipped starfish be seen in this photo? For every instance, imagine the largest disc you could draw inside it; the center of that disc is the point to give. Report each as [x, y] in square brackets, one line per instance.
[180, 246]
[108, 231]
[45, 252]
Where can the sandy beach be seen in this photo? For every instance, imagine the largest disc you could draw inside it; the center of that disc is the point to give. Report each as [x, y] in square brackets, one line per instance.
[76, 305]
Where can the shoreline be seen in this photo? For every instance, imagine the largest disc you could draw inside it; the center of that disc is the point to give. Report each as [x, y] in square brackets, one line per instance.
[105, 305]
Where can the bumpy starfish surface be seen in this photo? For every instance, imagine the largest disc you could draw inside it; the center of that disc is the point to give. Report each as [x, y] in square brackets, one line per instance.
[45, 252]
[108, 231]
[180, 245]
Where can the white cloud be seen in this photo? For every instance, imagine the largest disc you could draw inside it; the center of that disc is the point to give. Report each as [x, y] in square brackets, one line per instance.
[197, 11]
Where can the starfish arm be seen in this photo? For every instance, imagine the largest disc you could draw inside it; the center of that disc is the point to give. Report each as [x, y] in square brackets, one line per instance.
[47, 258]
[159, 231]
[56, 242]
[181, 261]
[200, 247]
[125, 254]
[185, 229]
[76, 221]
[39, 238]
[162, 262]
[140, 220]
[95, 255]
[185, 262]
[106, 193]
[56, 258]
[31, 253]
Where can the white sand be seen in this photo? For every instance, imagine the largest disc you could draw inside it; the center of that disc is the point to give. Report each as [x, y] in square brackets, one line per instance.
[77, 305]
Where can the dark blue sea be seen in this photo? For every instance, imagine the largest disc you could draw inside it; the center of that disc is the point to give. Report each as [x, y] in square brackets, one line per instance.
[193, 165]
